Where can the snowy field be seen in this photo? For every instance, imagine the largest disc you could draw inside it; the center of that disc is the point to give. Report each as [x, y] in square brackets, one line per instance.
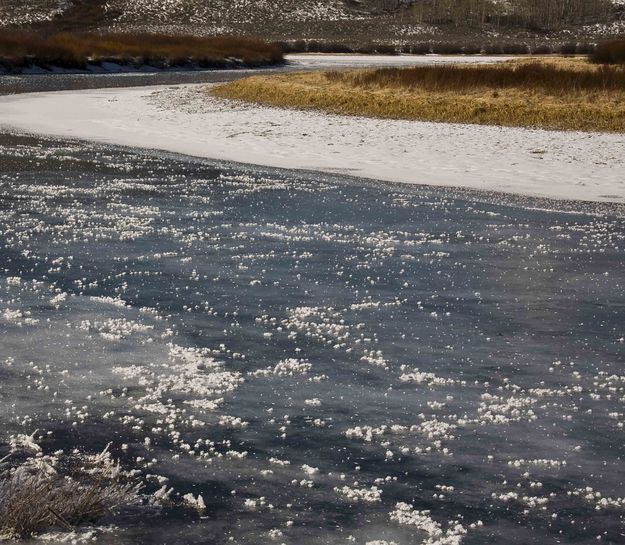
[322, 359]
[186, 119]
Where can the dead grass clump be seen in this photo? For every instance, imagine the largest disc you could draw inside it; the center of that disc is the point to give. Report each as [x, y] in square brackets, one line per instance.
[609, 53]
[45, 493]
[76, 50]
[566, 94]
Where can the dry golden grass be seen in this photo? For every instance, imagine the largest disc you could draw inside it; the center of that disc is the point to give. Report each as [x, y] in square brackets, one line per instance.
[558, 93]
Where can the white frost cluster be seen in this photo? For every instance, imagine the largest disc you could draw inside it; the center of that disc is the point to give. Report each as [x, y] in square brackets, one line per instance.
[436, 535]
[367, 495]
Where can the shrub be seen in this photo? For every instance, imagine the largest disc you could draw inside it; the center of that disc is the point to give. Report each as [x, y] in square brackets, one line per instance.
[313, 46]
[585, 49]
[420, 48]
[76, 50]
[377, 49]
[568, 48]
[46, 492]
[472, 49]
[515, 49]
[447, 48]
[297, 46]
[493, 49]
[385, 49]
[542, 49]
[609, 53]
[332, 47]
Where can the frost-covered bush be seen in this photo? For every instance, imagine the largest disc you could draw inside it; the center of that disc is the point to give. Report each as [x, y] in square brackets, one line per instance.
[60, 492]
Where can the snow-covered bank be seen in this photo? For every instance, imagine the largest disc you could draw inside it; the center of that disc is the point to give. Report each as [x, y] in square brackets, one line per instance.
[186, 119]
[354, 60]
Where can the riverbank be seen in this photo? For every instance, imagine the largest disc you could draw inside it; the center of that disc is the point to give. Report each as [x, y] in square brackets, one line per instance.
[186, 119]
[550, 93]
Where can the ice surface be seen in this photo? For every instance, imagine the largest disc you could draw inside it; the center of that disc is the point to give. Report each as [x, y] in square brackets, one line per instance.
[303, 359]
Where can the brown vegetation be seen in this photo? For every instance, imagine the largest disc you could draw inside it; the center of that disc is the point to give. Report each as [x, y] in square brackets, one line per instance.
[609, 53]
[553, 78]
[449, 47]
[45, 493]
[568, 94]
[77, 50]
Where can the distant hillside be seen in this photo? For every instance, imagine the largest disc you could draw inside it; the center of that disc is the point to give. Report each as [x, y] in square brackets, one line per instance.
[351, 21]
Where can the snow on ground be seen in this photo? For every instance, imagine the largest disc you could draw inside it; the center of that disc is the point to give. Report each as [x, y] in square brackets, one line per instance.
[186, 119]
[325, 61]
[238, 11]
[14, 12]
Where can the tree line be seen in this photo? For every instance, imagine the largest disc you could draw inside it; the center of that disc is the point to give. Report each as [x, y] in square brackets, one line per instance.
[529, 14]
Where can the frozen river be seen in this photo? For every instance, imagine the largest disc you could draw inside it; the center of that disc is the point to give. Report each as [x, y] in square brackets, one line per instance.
[325, 360]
